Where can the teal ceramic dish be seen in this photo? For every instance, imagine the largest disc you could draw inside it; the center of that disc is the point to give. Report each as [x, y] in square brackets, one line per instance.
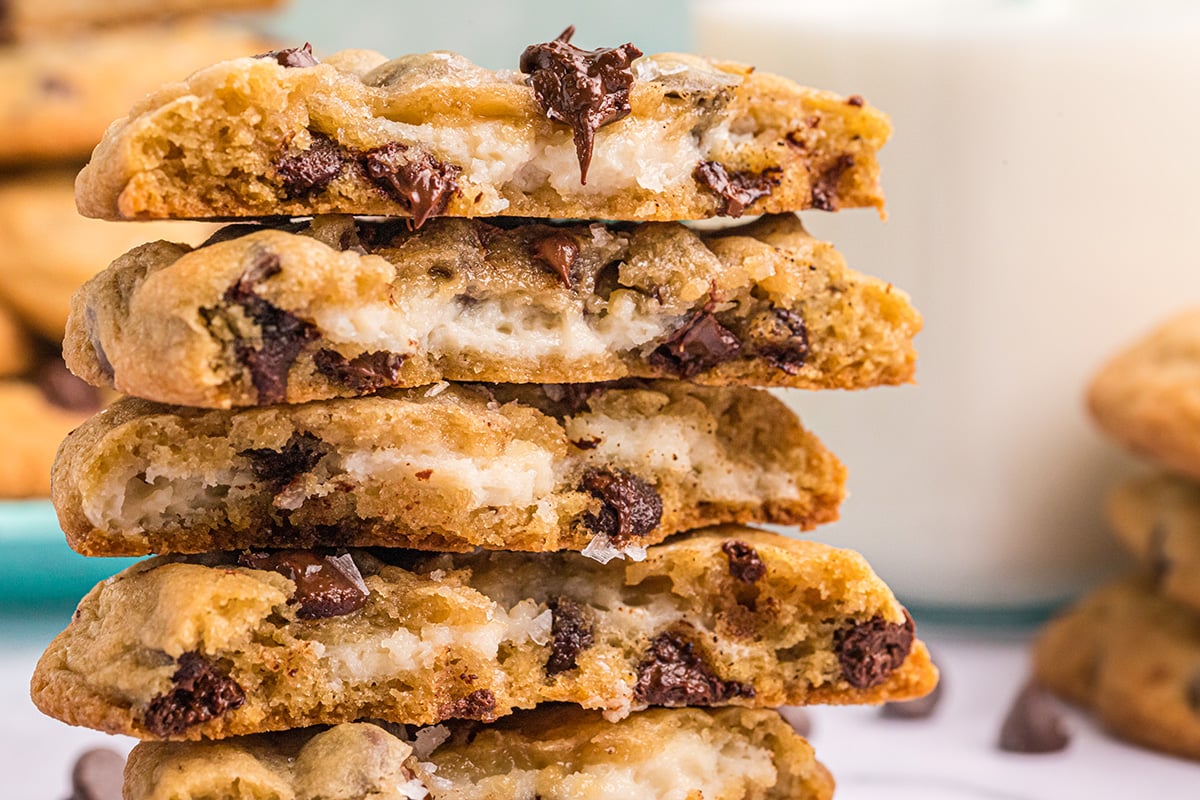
[39, 568]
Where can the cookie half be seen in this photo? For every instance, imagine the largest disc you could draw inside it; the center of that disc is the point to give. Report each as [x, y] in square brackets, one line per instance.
[604, 469]
[58, 95]
[663, 137]
[1133, 658]
[1158, 519]
[210, 647]
[554, 753]
[1148, 396]
[337, 307]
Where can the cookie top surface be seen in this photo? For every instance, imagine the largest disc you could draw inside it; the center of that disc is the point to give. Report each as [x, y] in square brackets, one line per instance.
[1147, 397]
[555, 753]
[667, 136]
[194, 648]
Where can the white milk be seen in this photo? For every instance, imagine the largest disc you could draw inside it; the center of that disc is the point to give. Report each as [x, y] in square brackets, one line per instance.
[1044, 196]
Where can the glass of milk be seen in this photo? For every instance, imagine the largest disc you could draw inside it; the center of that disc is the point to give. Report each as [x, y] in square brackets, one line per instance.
[1044, 208]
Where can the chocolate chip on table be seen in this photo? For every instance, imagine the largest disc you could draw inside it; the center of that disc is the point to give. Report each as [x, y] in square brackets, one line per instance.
[417, 180]
[479, 705]
[201, 692]
[283, 334]
[870, 651]
[571, 633]
[700, 344]
[744, 563]
[586, 89]
[736, 190]
[798, 718]
[303, 172]
[824, 190]
[293, 56]
[920, 708]
[781, 337]
[298, 455]
[1034, 723]
[64, 390]
[673, 673]
[326, 586]
[630, 507]
[558, 251]
[98, 774]
[363, 374]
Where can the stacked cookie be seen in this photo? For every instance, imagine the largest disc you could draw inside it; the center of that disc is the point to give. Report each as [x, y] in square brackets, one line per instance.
[1131, 650]
[449, 500]
[66, 70]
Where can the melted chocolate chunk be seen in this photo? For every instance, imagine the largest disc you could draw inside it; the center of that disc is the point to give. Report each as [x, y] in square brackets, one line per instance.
[202, 692]
[572, 633]
[558, 251]
[630, 507]
[283, 334]
[586, 89]
[674, 674]
[363, 374]
[736, 191]
[293, 56]
[479, 704]
[781, 337]
[64, 390]
[824, 190]
[421, 183]
[700, 344]
[871, 651]
[93, 332]
[921, 708]
[303, 172]
[744, 563]
[98, 775]
[1034, 723]
[326, 586]
[299, 455]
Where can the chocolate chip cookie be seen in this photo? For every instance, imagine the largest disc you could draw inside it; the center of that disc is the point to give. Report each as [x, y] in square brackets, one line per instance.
[604, 469]
[49, 250]
[215, 646]
[604, 134]
[1158, 519]
[553, 753]
[1133, 657]
[22, 20]
[1148, 396]
[57, 96]
[338, 307]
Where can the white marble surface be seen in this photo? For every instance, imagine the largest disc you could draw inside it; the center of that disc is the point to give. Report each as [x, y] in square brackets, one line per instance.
[949, 757]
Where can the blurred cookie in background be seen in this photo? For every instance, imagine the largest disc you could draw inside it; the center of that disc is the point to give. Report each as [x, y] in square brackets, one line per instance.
[23, 20]
[16, 345]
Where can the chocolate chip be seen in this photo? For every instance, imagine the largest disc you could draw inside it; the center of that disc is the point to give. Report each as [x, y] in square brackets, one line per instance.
[300, 454]
[558, 251]
[363, 374]
[572, 633]
[1034, 723]
[479, 704]
[736, 191]
[573, 397]
[303, 172]
[421, 183]
[586, 89]
[855, 100]
[202, 692]
[871, 651]
[824, 190]
[798, 718]
[780, 336]
[700, 344]
[98, 775]
[744, 563]
[921, 708]
[293, 56]
[673, 673]
[630, 507]
[326, 586]
[93, 332]
[283, 334]
[62, 389]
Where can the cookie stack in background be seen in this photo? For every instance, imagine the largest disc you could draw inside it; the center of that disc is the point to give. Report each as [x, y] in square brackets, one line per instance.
[66, 70]
[449, 501]
[1130, 651]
